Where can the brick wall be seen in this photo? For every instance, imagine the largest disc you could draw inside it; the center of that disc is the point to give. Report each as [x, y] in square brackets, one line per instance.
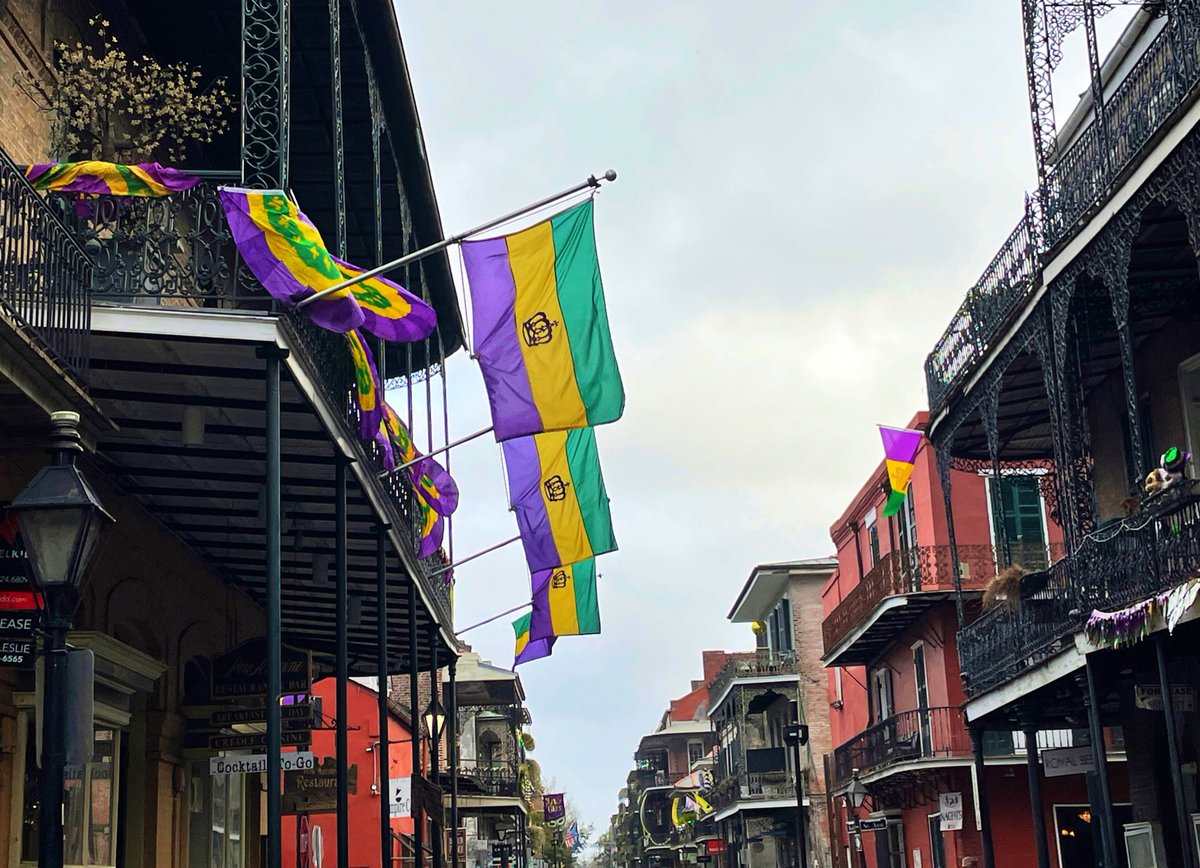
[807, 614]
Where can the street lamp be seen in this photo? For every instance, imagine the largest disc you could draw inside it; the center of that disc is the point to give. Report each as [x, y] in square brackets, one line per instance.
[435, 719]
[61, 520]
[856, 794]
[796, 734]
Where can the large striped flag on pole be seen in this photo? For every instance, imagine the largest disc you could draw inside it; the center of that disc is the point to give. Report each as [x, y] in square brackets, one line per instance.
[558, 494]
[565, 601]
[541, 327]
[900, 446]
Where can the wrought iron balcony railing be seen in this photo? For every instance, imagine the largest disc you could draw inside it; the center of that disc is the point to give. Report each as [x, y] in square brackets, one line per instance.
[45, 275]
[764, 662]
[926, 568]
[1146, 554]
[178, 251]
[752, 786]
[490, 779]
[1156, 88]
[910, 735]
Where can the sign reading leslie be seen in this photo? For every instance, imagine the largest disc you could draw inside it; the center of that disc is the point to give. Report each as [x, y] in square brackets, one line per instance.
[950, 811]
[19, 604]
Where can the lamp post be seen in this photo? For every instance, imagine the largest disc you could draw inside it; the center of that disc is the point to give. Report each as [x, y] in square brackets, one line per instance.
[796, 734]
[61, 520]
[435, 719]
[856, 794]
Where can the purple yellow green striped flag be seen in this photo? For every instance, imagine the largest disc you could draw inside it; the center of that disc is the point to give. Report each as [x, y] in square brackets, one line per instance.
[528, 649]
[900, 447]
[286, 253]
[432, 528]
[541, 327]
[558, 494]
[565, 602]
[366, 382]
[109, 179]
[431, 479]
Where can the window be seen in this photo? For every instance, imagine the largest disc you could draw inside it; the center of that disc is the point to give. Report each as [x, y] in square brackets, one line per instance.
[89, 800]
[872, 536]
[779, 626]
[695, 752]
[1020, 520]
[881, 694]
[217, 818]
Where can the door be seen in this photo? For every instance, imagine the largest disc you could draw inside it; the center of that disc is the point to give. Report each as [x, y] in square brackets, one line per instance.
[937, 847]
[1021, 522]
[918, 653]
[906, 525]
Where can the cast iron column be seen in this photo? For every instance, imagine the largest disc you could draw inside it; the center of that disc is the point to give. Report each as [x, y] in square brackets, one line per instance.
[1035, 797]
[414, 704]
[985, 817]
[273, 356]
[1100, 757]
[452, 745]
[342, 664]
[54, 732]
[435, 738]
[381, 665]
[1181, 814]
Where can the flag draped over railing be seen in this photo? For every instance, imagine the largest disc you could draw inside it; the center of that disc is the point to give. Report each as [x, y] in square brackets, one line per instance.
[109, 179]
[541, 327]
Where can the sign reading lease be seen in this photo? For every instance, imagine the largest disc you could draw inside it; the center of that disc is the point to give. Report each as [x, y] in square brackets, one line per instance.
[950, 811]
[1149, 697]
[19, 604]
[243, 670]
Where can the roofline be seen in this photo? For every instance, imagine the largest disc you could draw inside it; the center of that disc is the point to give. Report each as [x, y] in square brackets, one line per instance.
[799, 569]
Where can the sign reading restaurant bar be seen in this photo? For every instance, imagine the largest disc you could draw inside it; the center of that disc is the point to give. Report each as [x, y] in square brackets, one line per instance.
[19, 605]
[242, 671]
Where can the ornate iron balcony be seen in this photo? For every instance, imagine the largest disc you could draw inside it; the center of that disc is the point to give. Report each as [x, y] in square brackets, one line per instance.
[762, 663]
[178, 252]
[1153, 551]
[905, 737]
[501, 780]
[752, 786]
[1078, 179]
[45, 276]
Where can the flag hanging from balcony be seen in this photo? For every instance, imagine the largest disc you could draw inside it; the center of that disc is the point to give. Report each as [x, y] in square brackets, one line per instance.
[432, 528]
[542, 335]
[288, 256]
[558, 494]
[565, 601]
[430, 478]
[109, 179]
[528, 649]
[900, 447]
[366, 382]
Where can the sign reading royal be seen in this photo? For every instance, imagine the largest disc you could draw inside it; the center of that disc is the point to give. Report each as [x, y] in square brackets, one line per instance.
[950, 811]
[256, 763]
[1068, 761]
[243, 670]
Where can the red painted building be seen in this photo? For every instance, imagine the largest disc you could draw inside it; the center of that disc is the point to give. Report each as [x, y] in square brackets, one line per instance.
[317, 788]
[895, 693]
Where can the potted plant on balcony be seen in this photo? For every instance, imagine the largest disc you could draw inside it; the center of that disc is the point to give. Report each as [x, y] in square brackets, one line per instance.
[112, 107]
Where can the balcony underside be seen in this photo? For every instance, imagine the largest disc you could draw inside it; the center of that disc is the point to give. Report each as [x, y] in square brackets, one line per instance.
[871, 638]
[149, 368]
[755, 806]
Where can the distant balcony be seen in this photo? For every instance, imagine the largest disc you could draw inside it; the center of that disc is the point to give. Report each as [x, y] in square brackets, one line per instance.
[1160, 84]
[901, 587]
[45, 275]
[762, 664]
[1155, 550]
[905, 737]
[753, 786]
[177, 252]
[502, 780]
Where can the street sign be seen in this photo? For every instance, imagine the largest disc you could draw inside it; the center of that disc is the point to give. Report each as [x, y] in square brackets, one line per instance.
[703, 858]
[400, 804]
[717, 845]
[253, 740]
[1068, 761]
[950, 811]
[1149, 697]
[872, 824]
[229, 717]
[256, 763]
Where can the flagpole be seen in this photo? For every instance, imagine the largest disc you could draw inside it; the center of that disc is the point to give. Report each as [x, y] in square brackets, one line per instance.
[449, 567]
[511, 611]
[592, 182]
[445, 448]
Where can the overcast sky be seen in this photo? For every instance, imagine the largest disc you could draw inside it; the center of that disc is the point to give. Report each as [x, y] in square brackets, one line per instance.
[806, 191]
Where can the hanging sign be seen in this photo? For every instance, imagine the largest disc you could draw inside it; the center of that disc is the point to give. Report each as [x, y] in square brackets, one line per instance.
[243, 670]
[554, 806]
[315, 790]
[257, 740]
[1068, 761]
[872, 824]
[401, 797]
[256, 763]
[1149, 697]
[950, 812]
[19, 604]
[287, 713]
